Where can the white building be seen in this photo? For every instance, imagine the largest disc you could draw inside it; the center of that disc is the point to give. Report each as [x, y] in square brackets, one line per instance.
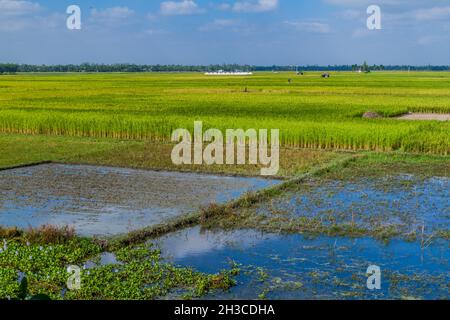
[228, 73]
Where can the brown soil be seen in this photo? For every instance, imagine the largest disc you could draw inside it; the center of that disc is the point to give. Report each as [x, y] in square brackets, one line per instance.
[425, 116]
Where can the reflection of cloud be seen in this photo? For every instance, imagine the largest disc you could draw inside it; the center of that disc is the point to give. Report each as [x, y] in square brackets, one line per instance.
[196, 242]
[309, 26]
[185, 7]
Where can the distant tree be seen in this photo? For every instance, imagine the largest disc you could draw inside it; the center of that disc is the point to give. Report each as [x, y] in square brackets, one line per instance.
[8, 68]
[89, 67]
[365, 67]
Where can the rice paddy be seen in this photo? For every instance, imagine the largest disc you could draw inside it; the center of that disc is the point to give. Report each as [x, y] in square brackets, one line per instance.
[103, 201]
[351, 191]
[310, 112]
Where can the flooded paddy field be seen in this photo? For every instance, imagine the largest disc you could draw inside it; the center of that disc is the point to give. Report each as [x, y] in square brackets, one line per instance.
[304, 264]
[293, 266]
[282, 246]
[406, 206]
[405, 201]
[107, 201]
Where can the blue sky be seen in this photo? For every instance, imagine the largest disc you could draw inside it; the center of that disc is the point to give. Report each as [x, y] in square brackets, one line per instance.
[257, 32]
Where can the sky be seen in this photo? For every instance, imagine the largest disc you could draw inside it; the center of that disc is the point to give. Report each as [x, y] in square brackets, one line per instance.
[201, 32]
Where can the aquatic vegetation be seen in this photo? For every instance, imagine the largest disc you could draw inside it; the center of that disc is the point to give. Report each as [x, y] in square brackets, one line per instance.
[43, 265]
[25, 295]
[140, 273]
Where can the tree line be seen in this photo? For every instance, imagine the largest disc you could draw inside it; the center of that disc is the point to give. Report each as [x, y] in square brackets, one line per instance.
[88, 67]
[10, 68]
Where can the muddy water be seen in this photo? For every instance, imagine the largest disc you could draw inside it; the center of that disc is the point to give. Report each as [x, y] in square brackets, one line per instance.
[294, 267]
[107, 201]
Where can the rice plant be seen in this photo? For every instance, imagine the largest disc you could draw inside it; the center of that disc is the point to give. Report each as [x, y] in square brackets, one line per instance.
[310, 112]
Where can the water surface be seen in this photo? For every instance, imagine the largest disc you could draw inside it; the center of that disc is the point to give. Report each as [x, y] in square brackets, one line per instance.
[296, 267]
[107, 201]
[405, 200]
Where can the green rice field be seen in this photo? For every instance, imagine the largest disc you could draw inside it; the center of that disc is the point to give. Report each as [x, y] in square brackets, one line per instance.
[92, 152]
[310, 112]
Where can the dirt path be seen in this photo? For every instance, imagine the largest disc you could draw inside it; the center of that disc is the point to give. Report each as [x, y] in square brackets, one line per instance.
[425, 116]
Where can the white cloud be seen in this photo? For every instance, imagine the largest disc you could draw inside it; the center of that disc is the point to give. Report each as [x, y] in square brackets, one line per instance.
[357, 3]
[363, 33]
[20, 15]
[429, 40]
[110, 17]
[223, 6]
[16, 24]
[309, 26]
[153, 32]
[13, 25]
[185, 7]
[220, 24]
[255, 6]
[152, 17]
[436, 13]
[112, 14]
[352, 14]
[224, 22]
[17, 8]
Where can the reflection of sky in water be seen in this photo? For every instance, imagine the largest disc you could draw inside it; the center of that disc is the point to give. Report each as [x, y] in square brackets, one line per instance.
[400, 200]
[102, 201]
[326, 267]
